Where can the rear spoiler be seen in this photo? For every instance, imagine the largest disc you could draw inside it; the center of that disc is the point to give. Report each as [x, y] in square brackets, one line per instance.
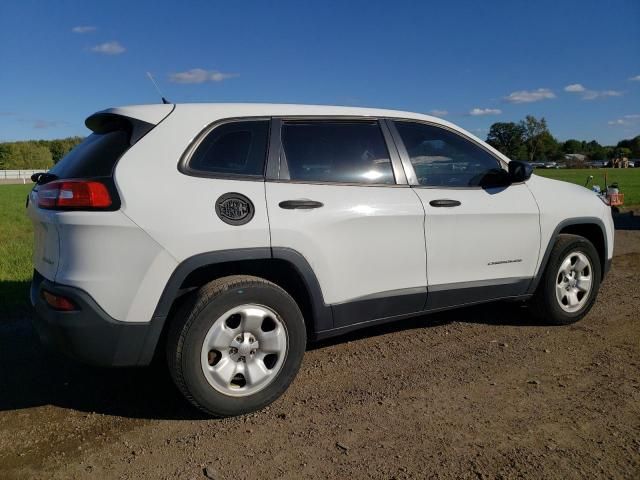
[139, 119]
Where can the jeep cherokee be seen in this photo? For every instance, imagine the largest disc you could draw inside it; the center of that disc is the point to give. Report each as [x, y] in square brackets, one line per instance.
[223, 236]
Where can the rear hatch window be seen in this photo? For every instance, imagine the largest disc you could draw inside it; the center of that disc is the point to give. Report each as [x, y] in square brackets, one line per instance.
[96, 156]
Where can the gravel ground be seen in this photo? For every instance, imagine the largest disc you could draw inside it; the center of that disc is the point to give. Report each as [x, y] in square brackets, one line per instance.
[473, 393]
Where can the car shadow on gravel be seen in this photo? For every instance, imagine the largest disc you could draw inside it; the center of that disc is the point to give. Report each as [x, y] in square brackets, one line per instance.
[31, 376]
[14, 298]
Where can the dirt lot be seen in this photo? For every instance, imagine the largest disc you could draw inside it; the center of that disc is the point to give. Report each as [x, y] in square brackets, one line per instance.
[475, 393]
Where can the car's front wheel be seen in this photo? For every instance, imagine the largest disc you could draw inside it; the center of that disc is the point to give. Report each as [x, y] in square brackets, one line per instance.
[236, 345]
[570, 283]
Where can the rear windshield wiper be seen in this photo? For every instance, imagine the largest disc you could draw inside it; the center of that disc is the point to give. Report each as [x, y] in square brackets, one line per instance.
[42, 178]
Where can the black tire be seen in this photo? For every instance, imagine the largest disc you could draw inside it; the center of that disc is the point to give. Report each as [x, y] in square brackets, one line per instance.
[545, 307]
[192, 322]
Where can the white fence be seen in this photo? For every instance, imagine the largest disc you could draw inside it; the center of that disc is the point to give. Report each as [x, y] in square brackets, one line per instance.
[24, 175]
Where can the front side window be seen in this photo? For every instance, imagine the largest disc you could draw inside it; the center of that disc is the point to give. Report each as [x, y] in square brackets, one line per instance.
[336, 151]
[442, 158]
[236, 148]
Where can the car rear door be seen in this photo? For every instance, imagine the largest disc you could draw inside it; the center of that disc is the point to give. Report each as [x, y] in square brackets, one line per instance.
[339, 198]
[482, 239]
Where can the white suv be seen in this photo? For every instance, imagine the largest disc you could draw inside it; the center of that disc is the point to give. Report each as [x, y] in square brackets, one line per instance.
[226, 235]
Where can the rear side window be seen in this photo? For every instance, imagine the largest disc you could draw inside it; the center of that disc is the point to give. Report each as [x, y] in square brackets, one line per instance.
[442, 158]
[337, 152]
[96, 156]
[236, 148]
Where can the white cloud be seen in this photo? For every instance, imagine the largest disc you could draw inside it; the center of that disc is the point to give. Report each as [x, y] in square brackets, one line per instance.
[587, 94]
[438, 113]
[593, 94]
[109, 48]
[84, 29]
[528, 96]
[475, 112]
[630, 119]
[574, 88]
[635, 79]
[199, 75]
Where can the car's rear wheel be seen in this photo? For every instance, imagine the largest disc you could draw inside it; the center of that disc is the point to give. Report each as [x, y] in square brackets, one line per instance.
[236, 345]
[570, 283]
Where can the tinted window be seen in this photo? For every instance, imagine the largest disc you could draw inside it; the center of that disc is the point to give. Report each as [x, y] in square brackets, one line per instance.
[96, 156]
[344, 152]
[445, 159]
[237, 148]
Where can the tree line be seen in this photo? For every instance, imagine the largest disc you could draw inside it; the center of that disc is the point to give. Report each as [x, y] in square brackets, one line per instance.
[530, 139]
[35, 154]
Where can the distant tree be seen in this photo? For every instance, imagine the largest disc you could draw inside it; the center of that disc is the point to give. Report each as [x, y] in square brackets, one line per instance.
[57, 149]
[4, 155]
[35, 154]
[508, 138]
[595, 151]
[632, 144]
[25, 156]
[548, 147]
[533, 135]
[620, 152]
[573, 146]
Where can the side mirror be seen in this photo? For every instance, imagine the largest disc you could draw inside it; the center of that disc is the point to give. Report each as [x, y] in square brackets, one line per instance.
[495, 178]
[519, 171]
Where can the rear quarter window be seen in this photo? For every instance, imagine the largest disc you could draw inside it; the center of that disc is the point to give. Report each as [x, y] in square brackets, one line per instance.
[231, 149]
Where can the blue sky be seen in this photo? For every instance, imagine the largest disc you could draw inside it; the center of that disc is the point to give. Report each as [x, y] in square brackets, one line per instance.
[577, 63]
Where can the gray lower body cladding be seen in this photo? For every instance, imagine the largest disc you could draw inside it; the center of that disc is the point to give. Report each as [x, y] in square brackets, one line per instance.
[89, 334]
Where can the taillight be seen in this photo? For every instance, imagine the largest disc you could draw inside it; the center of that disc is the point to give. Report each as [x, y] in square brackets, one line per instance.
[73, 194]
[58, 302]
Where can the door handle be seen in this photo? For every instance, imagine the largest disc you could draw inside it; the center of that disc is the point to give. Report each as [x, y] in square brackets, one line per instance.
[300, 204]
[444, 202]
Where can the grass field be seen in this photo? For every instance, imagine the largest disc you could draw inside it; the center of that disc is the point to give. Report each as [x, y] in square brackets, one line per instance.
[16, 240]
[628, 179]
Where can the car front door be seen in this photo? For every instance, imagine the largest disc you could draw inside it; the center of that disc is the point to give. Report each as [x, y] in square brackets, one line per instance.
[482, 235]
[340, 199]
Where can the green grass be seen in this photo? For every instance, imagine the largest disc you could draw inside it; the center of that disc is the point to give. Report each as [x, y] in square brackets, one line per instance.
[628, 179]
[16, 241]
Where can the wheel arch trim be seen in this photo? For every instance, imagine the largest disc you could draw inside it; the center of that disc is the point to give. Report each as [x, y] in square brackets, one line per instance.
[322, 313]
[552, 240]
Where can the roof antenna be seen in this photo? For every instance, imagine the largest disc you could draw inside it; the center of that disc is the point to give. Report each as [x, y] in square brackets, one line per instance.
[164, 100]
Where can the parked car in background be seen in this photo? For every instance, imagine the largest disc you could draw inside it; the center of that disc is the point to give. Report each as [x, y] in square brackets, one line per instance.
[598, 163]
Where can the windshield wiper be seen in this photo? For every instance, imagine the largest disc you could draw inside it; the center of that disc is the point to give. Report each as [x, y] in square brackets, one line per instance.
[42, 178]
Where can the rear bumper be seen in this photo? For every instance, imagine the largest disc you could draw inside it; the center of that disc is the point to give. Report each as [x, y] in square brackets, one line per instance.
[89, 334]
